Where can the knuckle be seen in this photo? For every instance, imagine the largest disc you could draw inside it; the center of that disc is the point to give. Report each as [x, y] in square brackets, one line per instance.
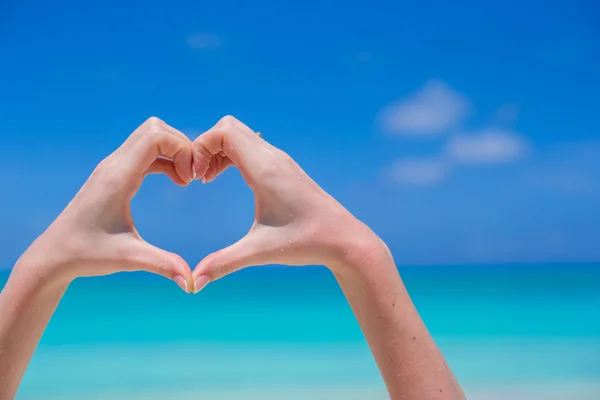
[154, 131]
[224, 268]
[228, 120]
[109, 161]
[160, 267]
[269, 170]
[107, 172]
[103, 166]
[153, 128]
[272, 169]
[152, 121]
[285, 157]
[276, 163]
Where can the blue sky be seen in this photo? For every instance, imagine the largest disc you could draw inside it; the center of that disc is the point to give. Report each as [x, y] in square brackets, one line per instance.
[461, 133]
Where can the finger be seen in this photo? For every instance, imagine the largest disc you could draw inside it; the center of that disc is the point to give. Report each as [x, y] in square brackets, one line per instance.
[155, 138]
[145, 257]
[184, 163]
[139, 132]
[245, 252]
[218, 164]
[238, 142]
[167, 167]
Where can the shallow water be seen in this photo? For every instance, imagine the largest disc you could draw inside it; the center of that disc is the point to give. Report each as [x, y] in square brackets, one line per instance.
[518, 332]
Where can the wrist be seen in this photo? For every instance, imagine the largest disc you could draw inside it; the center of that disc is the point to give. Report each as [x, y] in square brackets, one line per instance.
[28, 288]
[356, 246]
[40, 275]
[44, 266]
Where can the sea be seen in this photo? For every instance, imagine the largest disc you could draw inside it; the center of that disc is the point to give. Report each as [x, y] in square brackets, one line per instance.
[518, 332]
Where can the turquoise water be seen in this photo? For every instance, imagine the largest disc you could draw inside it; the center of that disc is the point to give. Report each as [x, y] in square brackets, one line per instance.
[519, 332]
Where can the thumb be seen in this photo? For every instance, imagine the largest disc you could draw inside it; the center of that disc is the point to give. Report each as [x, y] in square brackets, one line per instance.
[245, 252]
[147, 257]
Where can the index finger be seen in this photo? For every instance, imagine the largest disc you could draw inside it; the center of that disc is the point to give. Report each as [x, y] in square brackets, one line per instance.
[238, 142]
[154, 139]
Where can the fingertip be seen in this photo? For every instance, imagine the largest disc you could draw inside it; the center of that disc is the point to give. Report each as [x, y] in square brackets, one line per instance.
[182, 283]
[204, 267]
[200, 282]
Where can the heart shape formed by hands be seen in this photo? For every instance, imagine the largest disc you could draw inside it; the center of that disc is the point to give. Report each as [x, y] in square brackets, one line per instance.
[296, 222]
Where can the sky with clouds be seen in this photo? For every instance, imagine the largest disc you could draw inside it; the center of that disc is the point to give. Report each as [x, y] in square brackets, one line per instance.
[461, 133]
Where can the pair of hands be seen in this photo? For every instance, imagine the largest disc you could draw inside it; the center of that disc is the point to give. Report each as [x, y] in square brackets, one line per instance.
[296, 222]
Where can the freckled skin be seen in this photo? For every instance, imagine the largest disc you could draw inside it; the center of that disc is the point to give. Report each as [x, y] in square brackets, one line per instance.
[326, 233]
[296, 223]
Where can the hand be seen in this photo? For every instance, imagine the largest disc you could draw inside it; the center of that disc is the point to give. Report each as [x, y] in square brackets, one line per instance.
[95, 234]
[296, 222]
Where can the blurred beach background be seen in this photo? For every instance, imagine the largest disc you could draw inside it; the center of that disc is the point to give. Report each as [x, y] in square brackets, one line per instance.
[519, 332]
[464, 134]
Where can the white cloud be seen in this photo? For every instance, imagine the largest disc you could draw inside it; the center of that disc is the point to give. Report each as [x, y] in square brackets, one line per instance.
[490, 146]
[204, 41]
[432, 110]
[437, 109]
[418, 172]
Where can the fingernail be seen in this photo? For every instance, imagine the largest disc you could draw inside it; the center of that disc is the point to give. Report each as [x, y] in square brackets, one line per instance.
[194, 173]
[182, 283]
[204, 180]
[201, 282]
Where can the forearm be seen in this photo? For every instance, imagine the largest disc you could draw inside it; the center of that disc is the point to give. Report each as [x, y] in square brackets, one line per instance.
[27, 303]
[409, 360]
